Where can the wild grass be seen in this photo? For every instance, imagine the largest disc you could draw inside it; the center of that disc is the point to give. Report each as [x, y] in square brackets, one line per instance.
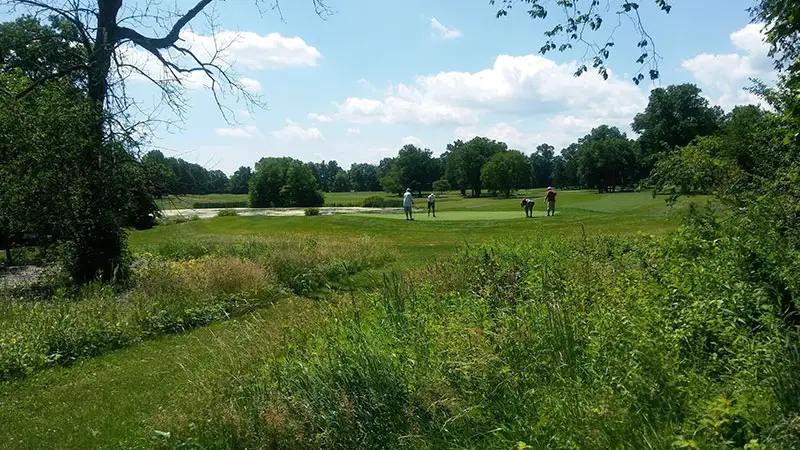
[178, 286]
[594, 343]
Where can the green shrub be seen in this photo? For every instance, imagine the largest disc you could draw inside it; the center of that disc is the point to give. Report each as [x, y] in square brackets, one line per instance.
[377, 201]
[215, 205]
[227, 213]
[311, 211]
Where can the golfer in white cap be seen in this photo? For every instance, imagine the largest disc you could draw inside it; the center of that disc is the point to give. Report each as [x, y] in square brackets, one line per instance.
[408, 204]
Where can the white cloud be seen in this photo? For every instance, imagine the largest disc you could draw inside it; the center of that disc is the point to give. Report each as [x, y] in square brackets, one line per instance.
[521, 85]
[353, 131]
[248, 131]
[442, 31]
[293, 131]
[245, 113]
[413, 140]
[558, 131]
[251, 85]
[319, 117]
[228, 49]
[398, 110]
[729, 73]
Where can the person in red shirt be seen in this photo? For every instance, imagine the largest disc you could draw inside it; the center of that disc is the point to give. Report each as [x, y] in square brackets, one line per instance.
[550, 198]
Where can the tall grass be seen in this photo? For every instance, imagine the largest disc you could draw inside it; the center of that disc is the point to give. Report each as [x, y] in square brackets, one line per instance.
[601, 343]
[176, 286]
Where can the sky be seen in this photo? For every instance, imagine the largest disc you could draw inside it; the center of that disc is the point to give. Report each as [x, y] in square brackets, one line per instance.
[359, 84]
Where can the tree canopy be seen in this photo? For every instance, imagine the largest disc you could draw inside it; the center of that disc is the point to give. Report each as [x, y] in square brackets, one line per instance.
[505, 171]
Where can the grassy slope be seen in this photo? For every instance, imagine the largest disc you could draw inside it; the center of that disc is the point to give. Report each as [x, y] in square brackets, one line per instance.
[121, 396]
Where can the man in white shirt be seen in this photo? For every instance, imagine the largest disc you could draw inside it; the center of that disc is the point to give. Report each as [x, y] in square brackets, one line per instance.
[432, 205]
[408, 204]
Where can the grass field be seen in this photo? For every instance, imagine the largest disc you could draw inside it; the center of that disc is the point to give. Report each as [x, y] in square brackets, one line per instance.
[132, 396]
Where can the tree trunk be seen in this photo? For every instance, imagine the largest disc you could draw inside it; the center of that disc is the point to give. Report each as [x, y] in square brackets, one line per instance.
[98, 237]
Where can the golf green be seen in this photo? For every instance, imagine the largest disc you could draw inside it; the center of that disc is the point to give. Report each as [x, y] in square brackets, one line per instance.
[457, 215]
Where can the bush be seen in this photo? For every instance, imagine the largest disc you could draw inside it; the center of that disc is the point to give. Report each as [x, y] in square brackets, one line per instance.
[376, 201]
[215, 205]
[311, 211]
[227, 213]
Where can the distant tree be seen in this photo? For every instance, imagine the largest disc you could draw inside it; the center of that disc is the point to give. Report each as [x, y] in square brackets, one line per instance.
[505, 171]
[416, 168]
[341, 182]
[391, 185]
[364, 177]
[465, 161]
[542, 165]
[606, 159]
[441, 185]
[240, 180]
[454, 167]
[218, 182]
[284, 181]
[565, 167]
[159, 175]
[674, 116]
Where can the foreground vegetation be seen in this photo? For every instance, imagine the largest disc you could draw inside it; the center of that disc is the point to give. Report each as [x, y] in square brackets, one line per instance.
[178, 284]
[583, 343]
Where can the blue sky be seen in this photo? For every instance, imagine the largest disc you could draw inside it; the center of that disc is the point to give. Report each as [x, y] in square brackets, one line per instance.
[376, 75]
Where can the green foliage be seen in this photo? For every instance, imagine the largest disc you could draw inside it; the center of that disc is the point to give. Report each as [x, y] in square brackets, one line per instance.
[606, 159]
[341, 183]
[227, 213]
[505, 171]
[240, 181]
[441, 185]
[284, 181]
[391, 185]
[376, 201]
[464, 162]
[183, 284]
[590, 343]
[674, 116]
[416, 168]
[542, 166]
[311, 212]
[364, 177]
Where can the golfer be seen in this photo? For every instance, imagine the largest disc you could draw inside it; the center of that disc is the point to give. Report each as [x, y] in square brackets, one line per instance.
[408, 204]
[432, 205]
[528, 205]
[550, 198]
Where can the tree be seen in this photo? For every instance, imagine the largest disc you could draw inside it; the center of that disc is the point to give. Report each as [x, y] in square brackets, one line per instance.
[240, 180]
[364, 177]
[464, 162]
[217, 182]
[454, 166]
[505, 171]
[279, 182]
[160, 177]
[542, 165]
[585, 17]
[101, 31]
[673, 117]
[391, 185]
[606, 159]
[341, 183]
[565, 167]
[441, 185]
[416, 168]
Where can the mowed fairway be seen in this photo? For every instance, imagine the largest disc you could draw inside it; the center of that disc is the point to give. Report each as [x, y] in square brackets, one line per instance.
[119, 399]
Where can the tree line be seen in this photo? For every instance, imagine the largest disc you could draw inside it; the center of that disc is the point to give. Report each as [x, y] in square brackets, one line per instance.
[605, 159]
